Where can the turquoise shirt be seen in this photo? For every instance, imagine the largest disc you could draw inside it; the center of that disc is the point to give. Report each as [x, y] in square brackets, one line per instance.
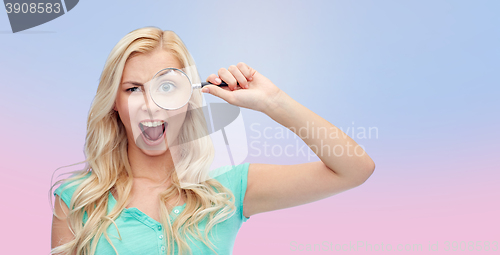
[143, 235]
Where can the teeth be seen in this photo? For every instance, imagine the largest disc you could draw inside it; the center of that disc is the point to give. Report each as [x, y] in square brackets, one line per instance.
[152, 124]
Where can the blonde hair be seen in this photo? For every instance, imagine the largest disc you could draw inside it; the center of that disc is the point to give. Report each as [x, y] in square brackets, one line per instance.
[109, 168]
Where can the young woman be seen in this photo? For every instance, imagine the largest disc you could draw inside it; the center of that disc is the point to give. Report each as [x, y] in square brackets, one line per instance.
[129, 198]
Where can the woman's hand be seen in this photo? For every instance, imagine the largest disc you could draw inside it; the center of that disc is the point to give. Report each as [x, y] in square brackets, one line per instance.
[254, 91]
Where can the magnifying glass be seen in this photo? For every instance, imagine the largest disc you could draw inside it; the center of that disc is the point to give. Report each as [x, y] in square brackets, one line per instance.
[171, 88]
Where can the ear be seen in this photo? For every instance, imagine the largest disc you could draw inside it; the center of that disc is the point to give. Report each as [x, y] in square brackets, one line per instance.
[114, 108]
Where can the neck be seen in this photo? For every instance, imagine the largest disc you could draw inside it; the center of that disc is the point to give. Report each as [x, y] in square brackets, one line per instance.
[156, 168]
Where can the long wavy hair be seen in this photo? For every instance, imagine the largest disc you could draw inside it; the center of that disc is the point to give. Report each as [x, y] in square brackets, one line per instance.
[107, 162]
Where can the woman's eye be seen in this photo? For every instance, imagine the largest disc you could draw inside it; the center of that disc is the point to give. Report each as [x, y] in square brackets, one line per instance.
[166, 87]
[134, 89]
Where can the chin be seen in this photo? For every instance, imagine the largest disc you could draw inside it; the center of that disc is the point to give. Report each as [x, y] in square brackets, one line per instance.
[154, 153]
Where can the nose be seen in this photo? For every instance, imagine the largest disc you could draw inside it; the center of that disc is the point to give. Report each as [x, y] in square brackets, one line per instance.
[148, 103]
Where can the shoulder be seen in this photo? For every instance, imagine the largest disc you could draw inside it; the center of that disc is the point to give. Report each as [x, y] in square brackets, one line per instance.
[231, 176]
[68, 186]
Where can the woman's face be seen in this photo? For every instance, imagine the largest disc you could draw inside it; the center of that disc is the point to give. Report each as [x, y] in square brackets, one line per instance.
[150, 128]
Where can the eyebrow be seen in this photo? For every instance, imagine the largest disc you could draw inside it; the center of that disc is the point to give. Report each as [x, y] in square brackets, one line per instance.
[133, 83]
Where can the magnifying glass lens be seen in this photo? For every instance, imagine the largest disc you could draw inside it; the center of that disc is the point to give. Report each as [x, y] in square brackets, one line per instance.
[171, 89]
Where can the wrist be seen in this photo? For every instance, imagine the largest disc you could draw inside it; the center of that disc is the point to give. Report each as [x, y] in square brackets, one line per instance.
[276, 104]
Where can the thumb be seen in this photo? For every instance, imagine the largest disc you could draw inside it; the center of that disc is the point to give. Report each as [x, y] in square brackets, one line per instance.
[218, 92]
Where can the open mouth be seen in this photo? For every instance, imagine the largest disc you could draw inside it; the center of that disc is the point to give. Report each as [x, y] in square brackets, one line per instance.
[153, 130]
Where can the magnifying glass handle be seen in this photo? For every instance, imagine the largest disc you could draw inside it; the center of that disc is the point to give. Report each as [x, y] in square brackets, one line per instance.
[205, 83]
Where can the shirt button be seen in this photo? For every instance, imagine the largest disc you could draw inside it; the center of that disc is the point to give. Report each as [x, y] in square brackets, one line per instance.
[161, 236]
[159, 227]
[176, 211]
[163, 248]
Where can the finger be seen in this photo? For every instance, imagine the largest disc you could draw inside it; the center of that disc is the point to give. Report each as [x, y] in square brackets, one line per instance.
[214, 79]
[219, 92]
[226, 76]
[247, 71]
[242, 80]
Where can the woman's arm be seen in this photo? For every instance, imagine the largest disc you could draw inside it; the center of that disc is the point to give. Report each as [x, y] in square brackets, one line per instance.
[336, 149]
[61, 232]
[272, 187]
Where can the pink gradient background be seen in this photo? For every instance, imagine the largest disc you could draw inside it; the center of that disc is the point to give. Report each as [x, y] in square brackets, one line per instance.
[424, 73]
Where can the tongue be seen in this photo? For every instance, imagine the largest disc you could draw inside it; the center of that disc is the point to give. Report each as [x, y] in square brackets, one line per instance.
[154, 132]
